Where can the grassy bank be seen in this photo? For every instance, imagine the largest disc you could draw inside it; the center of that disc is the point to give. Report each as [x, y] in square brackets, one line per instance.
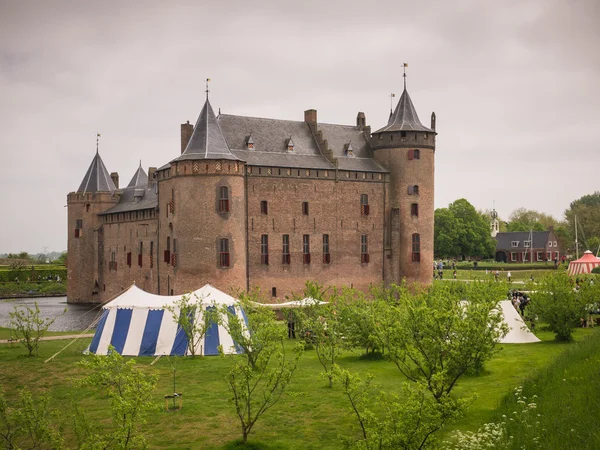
[310, 416]
[32, 289]
[565, 397]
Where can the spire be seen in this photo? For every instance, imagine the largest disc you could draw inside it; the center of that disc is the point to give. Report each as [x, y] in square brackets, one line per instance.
[404, 117]
[207, 140]
[139, 178]
[97, 178]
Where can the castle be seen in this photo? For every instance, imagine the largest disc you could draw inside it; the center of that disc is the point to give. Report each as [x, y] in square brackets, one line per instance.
[253, 202]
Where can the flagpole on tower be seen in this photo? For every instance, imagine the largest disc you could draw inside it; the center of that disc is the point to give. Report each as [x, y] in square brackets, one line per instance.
[97, 141]
[207, 91]
[404, 66]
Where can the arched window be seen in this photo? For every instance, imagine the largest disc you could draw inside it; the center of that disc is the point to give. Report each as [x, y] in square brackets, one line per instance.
[224, 252]
[416, 247]
[223, 199]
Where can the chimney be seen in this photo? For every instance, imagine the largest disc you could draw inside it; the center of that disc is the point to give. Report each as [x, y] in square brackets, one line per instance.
[115, 177]
[361, 120]
[151, 175]
[432, 121]
[186, 133]
[310, 116]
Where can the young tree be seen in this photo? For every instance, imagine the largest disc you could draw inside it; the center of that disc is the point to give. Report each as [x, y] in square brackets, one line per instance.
[556, 303]
[261, 374]
[130, 394]
[29, 424]
[396, 424]
[438, 334]
[193, 322]
[29, 326]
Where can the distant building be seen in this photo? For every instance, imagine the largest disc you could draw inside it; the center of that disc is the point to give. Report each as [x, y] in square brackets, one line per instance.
[266, 203]
[495, 223]
[526, 246]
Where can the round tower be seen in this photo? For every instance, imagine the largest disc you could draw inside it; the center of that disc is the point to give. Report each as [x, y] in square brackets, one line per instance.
[407, 149]
[97, 193]
[202, 203]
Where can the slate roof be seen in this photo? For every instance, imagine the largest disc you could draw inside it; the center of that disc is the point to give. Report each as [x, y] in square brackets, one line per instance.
[97, 178]
[139, 178]
[271, 137]
[404, 117]
[207, 141]
[504, 240]
[147, 198]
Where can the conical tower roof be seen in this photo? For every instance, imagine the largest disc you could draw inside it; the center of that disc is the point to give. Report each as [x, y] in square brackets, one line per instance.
[97, 178]
[404, 117]
[139, 178]
[207, 141]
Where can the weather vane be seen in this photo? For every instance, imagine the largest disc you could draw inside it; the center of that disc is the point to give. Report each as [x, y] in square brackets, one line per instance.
[97, 141]
[404, 66]
[207, 91]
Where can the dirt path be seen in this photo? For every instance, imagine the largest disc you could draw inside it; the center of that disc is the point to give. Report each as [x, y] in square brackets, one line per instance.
[54, 338]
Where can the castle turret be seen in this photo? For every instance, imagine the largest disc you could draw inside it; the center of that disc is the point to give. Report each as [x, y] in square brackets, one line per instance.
[406, 148]
[202, 201]
[96, 193]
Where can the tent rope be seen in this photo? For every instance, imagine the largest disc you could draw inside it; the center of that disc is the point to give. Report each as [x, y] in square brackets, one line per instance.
[93, 324]
[155, 360]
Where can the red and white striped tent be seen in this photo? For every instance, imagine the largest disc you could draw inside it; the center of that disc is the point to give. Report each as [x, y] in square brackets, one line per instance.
[585, 264]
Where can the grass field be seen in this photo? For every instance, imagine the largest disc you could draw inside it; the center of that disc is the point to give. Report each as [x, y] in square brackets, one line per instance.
[309, 416]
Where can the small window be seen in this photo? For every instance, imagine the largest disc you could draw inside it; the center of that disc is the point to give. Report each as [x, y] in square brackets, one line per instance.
[555, 244]
[286, 249]
[273, 292]
[364, 205]
[416, 153]
[305, 208]
[416, 247]
[264, 249]
[414, 209]
[556, 255]
[224, 252]
[413, 190]
[223, 199]
[539, 256]
[87, 207]
[306, 249]
[174, 254]
[167, 255]
[326, 255]
[513, 256]
[140, 253]
[79, 223]
[403, 134]
[263, 207]
[526, 244]
[549, 255]
[549, 243]
[525, 256]
[514, 243]
[364, 249]
[129, 259]
[151, 254]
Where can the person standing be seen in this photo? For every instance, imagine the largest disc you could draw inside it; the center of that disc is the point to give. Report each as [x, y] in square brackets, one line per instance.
[509, 276]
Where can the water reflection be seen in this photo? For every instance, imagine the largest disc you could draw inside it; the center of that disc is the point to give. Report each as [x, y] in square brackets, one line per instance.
[76, 318]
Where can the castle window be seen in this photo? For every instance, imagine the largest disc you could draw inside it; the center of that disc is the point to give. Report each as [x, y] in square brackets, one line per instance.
[413, 190]
[264, 249]
[326, 255]
[403, 134]
[112, 265]
[151, 254]
[167, 255]
[305, 208]
[416, 153]
[306, 249]
[364, 249]
[364, 205]
[274, 292]
[286, 249]
[87, 207]
[414, 209]
[263, 207]
[223, 199]
[174, 254]
[140, 254]
[416, 247]
[129, 259]
[78, 228]
[224, 252]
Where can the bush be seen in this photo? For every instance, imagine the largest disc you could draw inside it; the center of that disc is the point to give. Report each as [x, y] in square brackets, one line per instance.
[596, 269]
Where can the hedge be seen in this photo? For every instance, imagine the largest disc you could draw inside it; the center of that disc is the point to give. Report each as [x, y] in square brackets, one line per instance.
[25, 273]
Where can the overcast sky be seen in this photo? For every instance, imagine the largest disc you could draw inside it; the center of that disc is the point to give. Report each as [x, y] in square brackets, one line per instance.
[514, 85]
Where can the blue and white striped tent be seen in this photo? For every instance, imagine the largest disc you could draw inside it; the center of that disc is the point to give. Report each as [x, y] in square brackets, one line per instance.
[136, 323]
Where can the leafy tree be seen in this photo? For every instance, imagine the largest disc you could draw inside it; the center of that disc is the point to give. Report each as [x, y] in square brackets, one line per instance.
[437, 334]
[587, 210]
[522, 219]
[193, 322]
[29, 424]
[556, 303]
[29, 326]
[398, 424]
[460, 230]
[62, 259]
[261, 374]
[130, 394]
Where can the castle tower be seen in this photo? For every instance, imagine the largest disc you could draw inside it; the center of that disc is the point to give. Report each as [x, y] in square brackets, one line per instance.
[96, 193]
[407, 149]
[203, 221]
[495, 223]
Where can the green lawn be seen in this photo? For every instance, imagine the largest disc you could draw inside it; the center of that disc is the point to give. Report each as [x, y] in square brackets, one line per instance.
[310, 416]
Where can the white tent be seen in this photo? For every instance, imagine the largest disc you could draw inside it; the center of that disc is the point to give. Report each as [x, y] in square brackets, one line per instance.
[137, 324]
[518, 332]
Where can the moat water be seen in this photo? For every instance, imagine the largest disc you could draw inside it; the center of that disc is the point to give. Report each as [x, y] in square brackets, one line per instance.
[75, 318]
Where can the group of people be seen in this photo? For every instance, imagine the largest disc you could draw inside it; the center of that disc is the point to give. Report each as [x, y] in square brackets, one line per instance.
[438, 269]
[519, 300]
